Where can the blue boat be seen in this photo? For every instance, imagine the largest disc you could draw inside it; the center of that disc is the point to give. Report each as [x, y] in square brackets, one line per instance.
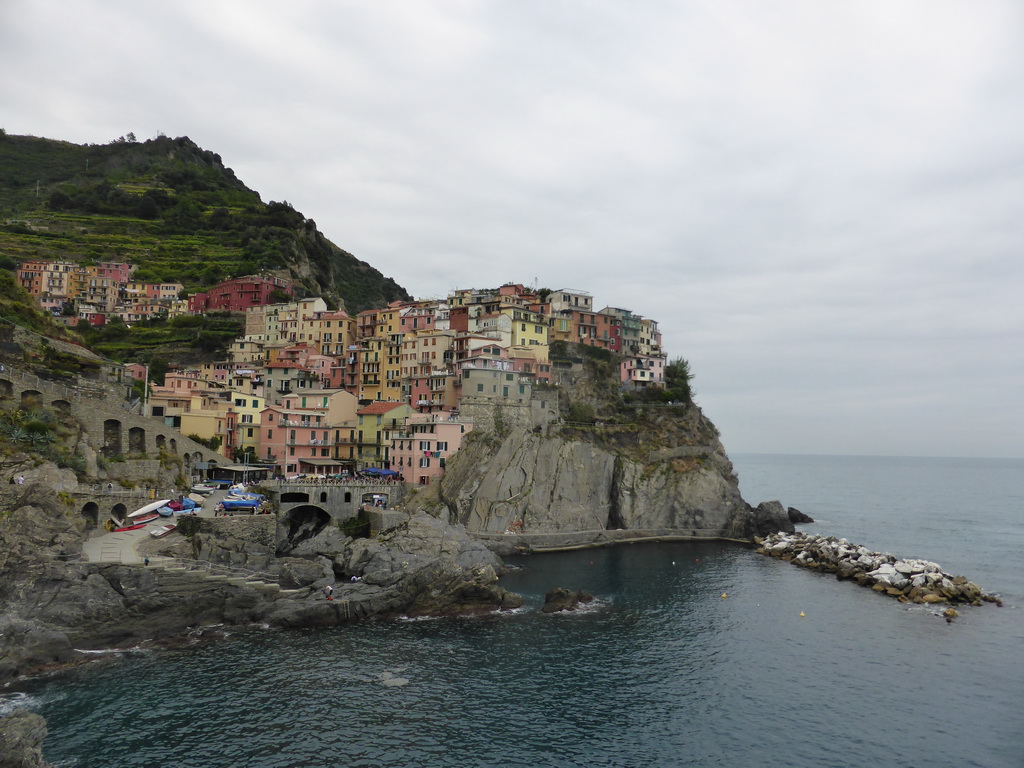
[240, 503]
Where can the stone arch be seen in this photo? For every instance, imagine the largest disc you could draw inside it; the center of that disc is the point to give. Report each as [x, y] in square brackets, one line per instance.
[302, 523]
[62, 408]
[31, 399]
[111, 438]
[348, 497]
[186, 457]
[293, 496]
[323, 496]
[119, 511]
[161, 442]
[136, 440]
[174, 445]
[91, 514]
[6, 388]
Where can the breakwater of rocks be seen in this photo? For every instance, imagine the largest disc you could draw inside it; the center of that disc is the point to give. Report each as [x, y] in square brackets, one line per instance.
[909, 581]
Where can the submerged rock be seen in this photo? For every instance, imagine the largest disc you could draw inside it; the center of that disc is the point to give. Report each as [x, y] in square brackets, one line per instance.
[797, 517]
[562, 599]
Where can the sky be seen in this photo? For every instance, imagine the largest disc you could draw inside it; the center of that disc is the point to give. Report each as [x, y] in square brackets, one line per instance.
[822, 204]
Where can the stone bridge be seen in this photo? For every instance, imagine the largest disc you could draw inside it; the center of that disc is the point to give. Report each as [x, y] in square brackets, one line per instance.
[105, 415]
[298, 502]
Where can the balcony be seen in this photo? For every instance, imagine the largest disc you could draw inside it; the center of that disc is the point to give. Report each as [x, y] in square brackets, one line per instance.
[311, 441]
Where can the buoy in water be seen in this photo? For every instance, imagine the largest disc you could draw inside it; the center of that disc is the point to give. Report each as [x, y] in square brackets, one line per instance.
[801, 614]
[724, 595]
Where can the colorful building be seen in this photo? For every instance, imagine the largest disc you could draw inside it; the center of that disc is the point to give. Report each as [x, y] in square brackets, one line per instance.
[375, 425]
[421, 449]
[299, 435]
[239, 293]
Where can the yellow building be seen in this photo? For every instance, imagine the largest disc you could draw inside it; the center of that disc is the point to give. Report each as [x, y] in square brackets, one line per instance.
[379, 334]
[244, 428]
[207, 418]
[528, 328]
[376, 425]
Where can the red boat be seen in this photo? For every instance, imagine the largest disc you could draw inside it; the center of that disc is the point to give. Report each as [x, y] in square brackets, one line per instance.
[146, 518]
[135, 527]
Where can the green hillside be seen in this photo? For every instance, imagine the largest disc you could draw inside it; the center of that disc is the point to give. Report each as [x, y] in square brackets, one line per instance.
[171, 208]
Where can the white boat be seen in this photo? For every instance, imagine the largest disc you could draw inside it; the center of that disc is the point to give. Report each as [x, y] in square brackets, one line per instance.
[149, 508]
[162, 530]
[198, 498]
[203, 488]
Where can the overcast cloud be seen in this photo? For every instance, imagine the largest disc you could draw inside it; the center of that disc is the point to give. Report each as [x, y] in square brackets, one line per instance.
[821, 203]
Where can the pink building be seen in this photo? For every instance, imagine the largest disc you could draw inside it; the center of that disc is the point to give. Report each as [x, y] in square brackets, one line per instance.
[136, 371]
[117, 271]
[642, 371]
[420, 451]
[299, 435]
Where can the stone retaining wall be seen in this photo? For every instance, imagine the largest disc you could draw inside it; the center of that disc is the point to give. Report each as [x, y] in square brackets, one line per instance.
[557, 542]
[105, 416]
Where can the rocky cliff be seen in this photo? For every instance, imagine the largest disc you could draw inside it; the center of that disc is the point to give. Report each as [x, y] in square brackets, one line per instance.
[531, 483]
[645, 465]
[52, 603]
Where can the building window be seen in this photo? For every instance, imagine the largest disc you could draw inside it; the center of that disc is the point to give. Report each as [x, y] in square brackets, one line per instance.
[424, 462]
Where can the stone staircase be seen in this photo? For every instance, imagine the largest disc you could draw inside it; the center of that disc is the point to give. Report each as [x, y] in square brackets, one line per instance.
[177, 575]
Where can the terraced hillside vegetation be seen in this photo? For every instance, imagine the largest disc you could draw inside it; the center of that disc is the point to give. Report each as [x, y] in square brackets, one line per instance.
[174, 210]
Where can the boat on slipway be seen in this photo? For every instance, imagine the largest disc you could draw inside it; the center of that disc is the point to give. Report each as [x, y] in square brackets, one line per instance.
[162, 530]
[151, 507]
[135, 527]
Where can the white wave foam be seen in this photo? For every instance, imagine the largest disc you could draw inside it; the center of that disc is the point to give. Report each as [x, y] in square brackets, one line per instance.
[15, 701]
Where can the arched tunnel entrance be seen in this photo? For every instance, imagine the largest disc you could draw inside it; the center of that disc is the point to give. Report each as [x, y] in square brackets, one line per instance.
[302, 523]
[91, 514]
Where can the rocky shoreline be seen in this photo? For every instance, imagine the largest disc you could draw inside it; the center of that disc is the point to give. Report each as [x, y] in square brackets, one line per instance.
[907, 580]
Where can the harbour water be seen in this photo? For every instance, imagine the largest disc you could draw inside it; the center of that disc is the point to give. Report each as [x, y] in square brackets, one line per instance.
[694, 655]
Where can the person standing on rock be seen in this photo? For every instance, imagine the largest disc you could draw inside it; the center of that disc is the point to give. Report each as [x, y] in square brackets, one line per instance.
[329, 592]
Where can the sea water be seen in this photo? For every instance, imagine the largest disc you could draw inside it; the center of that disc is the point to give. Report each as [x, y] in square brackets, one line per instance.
[693, 654]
